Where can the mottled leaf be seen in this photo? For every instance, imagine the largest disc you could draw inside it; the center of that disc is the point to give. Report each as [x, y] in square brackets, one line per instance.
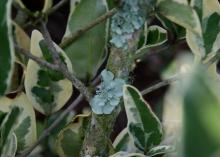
[124, 142]
[159, 150]
[144, 126]
[10, 147]
[8, 124]
[156, 35]
[207, 44]
[181, 14]
[86, 54]
[25, 126]
[176, 29]
[6, 46]
[70, 139]
[125, 154]
[47, 89]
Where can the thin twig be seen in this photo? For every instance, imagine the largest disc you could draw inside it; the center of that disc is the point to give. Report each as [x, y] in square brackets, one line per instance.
[57, 7]
[47, 131]
[160, 84]
[55, 54]
[62, 67]
[75, 35]
[35, 58]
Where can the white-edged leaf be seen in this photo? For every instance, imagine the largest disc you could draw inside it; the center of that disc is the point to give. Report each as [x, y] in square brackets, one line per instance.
[143, 125]
[10, 147]
[207, 44]
[123, 142]
[156, 35]
[125, 154]
[25, 127]
[159, 150]
[180, 13]
[196, 44]
[70, 138]
[47, 89]
[6, 46]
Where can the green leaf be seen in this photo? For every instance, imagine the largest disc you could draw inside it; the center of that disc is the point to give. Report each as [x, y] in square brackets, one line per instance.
[181, 14]
[10, 147]
[6, 46]
[87, 52]
[70, 139]
[144, 127]
[159, 150]
[47, 89]
[201, 115]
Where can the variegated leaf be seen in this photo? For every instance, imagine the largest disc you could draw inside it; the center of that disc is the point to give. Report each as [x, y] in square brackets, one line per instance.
[180, 13]
[177, 30]
[156, 35]
[143, 125]
[87, 52]
[48, 90]
[7, 127]
[208, 44]
[159, 150]
[6, 46]
[25, 127]
[124, 142]
[125, 154]
[10, 147]
[70, 139]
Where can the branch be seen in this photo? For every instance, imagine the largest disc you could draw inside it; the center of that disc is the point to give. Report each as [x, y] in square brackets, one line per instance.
[160, 84]
[47, 131]
[62, 67]
[35, 58]
[75, 35]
